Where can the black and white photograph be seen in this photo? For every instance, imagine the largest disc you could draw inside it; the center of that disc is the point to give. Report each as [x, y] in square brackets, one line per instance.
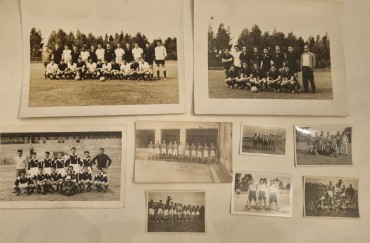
[183, 152]
[267, 140]
[62, 167]
[323, 145]
[176, 211]
[331, 197]
[262, 194]
[103, 55]
[256, 53]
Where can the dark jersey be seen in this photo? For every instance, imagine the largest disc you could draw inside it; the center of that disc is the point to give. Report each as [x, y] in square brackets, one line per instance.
[116, 66]
[291, 61]
[101, 178]
[258, 73]
[128, 55]
[266, 62]
[22, 180]
[57, 55]
[33, 163]
[85, 176]
[81, 65]
[232, 74]
[244, 57]
[72, 175]
[109, 55]
[93, 56]
[274, 75]
[75, 55]
[99, 66]
[55, 176]
[288, 75]
[149, 55]
[63, 67]
[73, 160]
[86, 162]
[47, 163]
[227, 64]
[278, 59]
[40, 177]
[134, 66]
[245, 72]
[256, 58]
[103, 160]
[59, 164]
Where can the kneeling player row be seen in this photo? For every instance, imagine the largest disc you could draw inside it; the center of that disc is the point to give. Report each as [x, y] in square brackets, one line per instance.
[69, 184]
[256, 80]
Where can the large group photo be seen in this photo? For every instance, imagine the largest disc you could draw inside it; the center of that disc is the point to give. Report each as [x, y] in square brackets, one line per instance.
[331, 197]
[110, 57]
[176, 211]
[263, 194]
[61, 166]
[323, 145]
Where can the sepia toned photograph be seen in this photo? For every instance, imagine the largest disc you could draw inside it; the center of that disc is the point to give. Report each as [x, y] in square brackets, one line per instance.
[183, 152]
[262, 194]
[323, 145]
[61, 168]
[267, 140]
[176, 211]
[331, 197]
[109, 57]
[269, 56]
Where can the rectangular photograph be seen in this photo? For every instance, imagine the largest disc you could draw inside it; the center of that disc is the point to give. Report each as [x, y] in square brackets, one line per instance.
[176, 211]
[255, 52]
[267, 140]
[62, 167]
[183, 152]
[331, 197]
[323, 145]
[262, 194]
[103, 55]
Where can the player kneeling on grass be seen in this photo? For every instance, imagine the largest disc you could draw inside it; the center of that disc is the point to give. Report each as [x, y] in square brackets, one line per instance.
[91, 69]
[274, 79]
[62, 69]
[289, 81]
[244, 81]
[23, 182]
[69, 186]
[134, 69]
[116, 73]
[81, 69]
[55, 180]
[107, 70]
[99, 69]
[124, 70]
[72, 70]
[85, 179]
[259, 78]
[51, 70]
[40, 181]
[232, 77]
[101, 181]
[144, 72]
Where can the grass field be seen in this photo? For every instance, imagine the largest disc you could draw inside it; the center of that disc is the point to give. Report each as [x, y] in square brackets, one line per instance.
[218, 89]
[49, 93]
[303, 159]
[247, 147]
[177, 226]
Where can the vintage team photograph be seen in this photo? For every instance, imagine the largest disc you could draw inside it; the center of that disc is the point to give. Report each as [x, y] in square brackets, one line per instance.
[62, 169]
[176, 211]
[255, 52]
[262, 194]
[323, 145]
[183, 152]
[331, 197]
[267, 140]
[109, 57]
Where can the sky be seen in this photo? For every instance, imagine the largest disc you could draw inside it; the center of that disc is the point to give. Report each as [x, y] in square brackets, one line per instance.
[302, 18]
[334, 180]
[332, 129]
[269, 176]
[250, 130]
[155, 19]
[193, 198]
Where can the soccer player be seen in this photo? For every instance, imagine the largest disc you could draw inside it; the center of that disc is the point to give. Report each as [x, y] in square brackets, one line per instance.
[180, 152]
[69, 187]
[85, 54]
[244, 55]
[46, 58]
[213, 153]
[151, 211]
[47, 163]
[292, 62]
[51, 70]
[103, 160]
[99, 69]
[266, 61]
[119, 53]
[55, 179]
[100, 53]
[236, 54]
[33, 165]
[75, 54]
[107, 69]
[308, 64]
[193, 149]
[86, 161]
[227, 60]
[252, 195]
[66, 54]
[21, 163]
[85, 179]
[169, 151]
[199, 153]
[81, 69]
[128, 53]
[74, 160]
[232, 77]
[137, 52]
[57, 54]
[116, 73]
[289, 81]
[109, 55]
[92, 54]
[160, 56]
[205, 153]
[60, 165]
[62, 71]
[255, 57]
[163, 149]
[91, 71]
[246, 76]
[40, 181]
[273, 79]
[187, 152]
[22, 182]
[101, 181]
[175, 151]
[259, 77]
[149, 56]
[278, 58]
[144, 72]
[124, 70]
[262, 188]
[134, 68]
[72, 69]
[150, 150]
[273, 189]
[157, 150]
[344, 142]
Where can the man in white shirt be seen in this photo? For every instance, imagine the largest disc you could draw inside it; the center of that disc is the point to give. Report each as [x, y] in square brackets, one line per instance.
[21, 163]
[66, 54]
[51, 70]
[137, 52]
[144, 70]
[107, 69]
[160, 56]
[100, 53]
[308, 64]
[84, 54]
[119, 54]
[236, 55]
[91, 69]
[72, 69]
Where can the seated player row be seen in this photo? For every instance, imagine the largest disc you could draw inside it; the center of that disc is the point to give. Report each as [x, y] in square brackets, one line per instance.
[177, 152]
[67, 184]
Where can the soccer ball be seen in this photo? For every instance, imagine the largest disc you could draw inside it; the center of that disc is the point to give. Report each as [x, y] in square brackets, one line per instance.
[254, 89]
[102, 79]
[77, 77]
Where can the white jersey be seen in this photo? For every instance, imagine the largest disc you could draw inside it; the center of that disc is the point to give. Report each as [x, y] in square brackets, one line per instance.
[144, 67]
[85, 55]
[123, 67]
[160, 53]
[72, 67]
[236, 56]
[119, 55]
[67, 55]
[20, 162]
[107, 67]
[128, 68]
[137, 52]
[100, 54]
[91, 66]
[51, 68]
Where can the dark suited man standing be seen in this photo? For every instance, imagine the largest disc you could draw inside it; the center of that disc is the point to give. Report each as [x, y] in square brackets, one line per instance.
[308, 64]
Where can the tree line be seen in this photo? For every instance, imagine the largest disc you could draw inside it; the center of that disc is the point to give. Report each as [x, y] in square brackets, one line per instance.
[217, 42]
[79, 39]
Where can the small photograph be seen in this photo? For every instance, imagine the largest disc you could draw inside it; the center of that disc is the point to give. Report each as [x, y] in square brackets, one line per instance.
[98, 54]
[265, 140]
[323, 145]
[331, 197]
[262, 194]
[183, 152]
[176, 211]
[42, 169]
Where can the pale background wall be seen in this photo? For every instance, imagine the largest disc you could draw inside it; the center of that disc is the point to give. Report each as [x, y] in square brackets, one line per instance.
[127, 224]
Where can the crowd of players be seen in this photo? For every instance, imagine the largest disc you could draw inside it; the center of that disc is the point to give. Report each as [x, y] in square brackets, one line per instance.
[335, 198]
[277, 72]
[169, 212]
[68, 174]
[178, 152]
[328, 145]
[267, 141]
[121, 63]
[261, 193]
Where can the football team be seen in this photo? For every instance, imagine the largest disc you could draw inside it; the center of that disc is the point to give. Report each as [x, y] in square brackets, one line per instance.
[328, 145]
